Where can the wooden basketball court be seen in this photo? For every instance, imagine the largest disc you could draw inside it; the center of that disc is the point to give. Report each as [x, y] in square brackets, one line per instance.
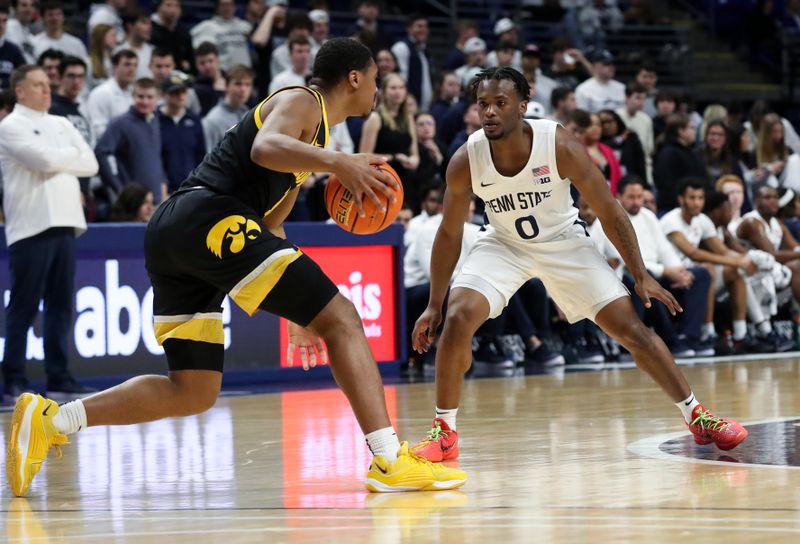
[587, 457]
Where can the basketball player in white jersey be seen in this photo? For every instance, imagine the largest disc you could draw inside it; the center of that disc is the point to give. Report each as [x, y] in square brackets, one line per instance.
[760, 229]
[522, 169]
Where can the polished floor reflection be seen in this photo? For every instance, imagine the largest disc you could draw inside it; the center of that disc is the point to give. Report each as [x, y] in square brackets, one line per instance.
[572, 458]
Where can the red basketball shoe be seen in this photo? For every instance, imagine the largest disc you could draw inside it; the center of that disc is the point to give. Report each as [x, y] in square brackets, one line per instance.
[708, 428]
[441, 444]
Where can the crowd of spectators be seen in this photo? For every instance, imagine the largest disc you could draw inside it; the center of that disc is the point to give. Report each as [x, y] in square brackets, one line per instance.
[711, 195]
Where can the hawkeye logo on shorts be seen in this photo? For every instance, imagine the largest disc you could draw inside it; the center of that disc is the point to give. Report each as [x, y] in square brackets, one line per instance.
[234, 227]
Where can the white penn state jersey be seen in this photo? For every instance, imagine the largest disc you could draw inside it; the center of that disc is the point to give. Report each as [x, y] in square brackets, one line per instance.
[772, 229]
[535, 205]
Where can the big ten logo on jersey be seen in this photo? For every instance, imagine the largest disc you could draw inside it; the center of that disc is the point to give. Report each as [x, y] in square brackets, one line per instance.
[365, 275]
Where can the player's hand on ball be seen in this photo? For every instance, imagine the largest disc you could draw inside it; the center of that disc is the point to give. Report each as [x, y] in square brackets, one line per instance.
[359, 175]
[312, 349]
[425, 329]
[648, 288]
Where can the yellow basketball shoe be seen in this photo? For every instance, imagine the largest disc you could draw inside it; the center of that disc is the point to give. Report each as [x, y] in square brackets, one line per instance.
[32, 436]
[410, 472]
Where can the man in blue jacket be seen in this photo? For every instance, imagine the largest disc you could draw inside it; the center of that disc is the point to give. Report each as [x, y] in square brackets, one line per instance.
[183, 145]
[130, 148]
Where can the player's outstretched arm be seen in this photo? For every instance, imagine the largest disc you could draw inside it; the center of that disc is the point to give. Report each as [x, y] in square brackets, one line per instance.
[574, 163]
[289, 122]
[446, 246]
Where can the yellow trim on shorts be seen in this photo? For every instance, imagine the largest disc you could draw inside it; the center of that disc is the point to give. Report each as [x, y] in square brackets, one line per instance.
[201, 329]
[250, 293]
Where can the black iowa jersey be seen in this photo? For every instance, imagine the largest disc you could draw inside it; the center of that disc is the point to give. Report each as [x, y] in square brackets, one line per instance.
[228, 169]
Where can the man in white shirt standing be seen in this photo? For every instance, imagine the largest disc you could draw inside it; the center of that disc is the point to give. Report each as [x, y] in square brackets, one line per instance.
[412, 58]
[24, 26]
[138, 30]
[54, 36]
[300, 57]
[639, 122]
[41, 156]
[113, 97]
[228, 32]
[601, 91]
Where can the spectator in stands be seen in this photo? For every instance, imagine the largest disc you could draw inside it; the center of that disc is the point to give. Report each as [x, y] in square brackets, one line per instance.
[647, 77]
[102, 43]
[773, 154]
[602, 91]
[366, 29]
[162, 65]
[563, 103]
[298, 25]
[531, 61]
[760, 229]
[432, 152]
[228, 32]
[130, 148]
[300, 56]
[389, 131]
[465, 29]
[54, 36]
[715, 152]
[689, 285]
[41, 156]
[320, 27]
[22, 28]
[386, 62]
[650, 200]
[475, 54]
[695, 237]
[134, 204]
[66, 103]
[210, 84]
[229, 111]
[666, 104]
[404, 217]
[49, 61]
[472, 123]
[169, 35]
[746, 159]
[113, 97]
[183, 144]
[675, 161]
[569, 66]
[602, 155]
[268, 20]
[138, 30]
[713, 112]
[639, 122]
[625, 144]
[412, 56]
[447, 92]
[107, 13]
[11, 56]
[535, 110]
[503, 54]
[589, 24]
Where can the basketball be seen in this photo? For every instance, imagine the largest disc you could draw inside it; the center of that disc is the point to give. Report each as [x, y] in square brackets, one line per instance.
[342, 206]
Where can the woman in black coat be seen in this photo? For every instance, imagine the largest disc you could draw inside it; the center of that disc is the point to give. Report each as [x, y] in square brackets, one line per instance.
[675, 160]
[626, 144]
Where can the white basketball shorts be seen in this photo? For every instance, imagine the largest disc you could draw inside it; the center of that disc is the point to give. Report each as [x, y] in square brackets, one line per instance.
[575, 274]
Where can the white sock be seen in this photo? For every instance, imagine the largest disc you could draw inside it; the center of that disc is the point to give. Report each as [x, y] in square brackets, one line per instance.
[764, 328]
[686, 406]
[739, 329]
[448, 416]
[707, 330]
[71, 417]
[384, 442]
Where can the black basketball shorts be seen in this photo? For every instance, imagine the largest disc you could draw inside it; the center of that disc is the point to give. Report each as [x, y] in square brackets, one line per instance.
[200, 246]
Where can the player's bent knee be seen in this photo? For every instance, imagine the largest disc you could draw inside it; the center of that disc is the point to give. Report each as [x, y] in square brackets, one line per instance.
[195, 391]
[636, 337]
[338, 318]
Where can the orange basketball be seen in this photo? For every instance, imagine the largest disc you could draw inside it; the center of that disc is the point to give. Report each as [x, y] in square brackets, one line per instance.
[342, 206]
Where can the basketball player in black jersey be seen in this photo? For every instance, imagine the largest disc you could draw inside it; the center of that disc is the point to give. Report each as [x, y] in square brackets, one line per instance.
[221, 233]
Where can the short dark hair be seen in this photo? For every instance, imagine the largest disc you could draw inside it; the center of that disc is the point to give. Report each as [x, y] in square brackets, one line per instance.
[560, 44]
[145, 83]
[691, 183]
[646, 66]
[414, 17]
[239, 71]
[19, 74]
[714, 200]
[582, 118]
[505, 45]
[206, 48]
[162, 52]
[499, 73]
[634, 87]
[297, 40]
[559, 94]
[627, 180]
[122, 54]
[337, 58]
[50, 54]
[131, 16]
[68, 61]
[298, 20]
[50, 5]
[665, 96]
